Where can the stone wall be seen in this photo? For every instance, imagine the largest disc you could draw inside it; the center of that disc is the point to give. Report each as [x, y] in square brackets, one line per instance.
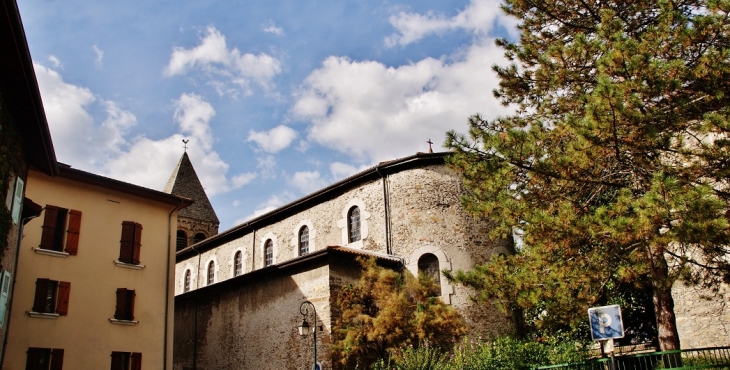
[424, 216]
[250, 322]
[703, 316]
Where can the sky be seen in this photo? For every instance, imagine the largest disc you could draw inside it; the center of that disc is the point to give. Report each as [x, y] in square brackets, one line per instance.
[277, 98]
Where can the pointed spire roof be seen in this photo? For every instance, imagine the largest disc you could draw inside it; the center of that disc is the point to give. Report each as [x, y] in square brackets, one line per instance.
[184, 182]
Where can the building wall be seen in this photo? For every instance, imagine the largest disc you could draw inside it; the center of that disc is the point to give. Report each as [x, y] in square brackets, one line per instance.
[250, 322]
[86, 333]
[703, 316]
[424, 217]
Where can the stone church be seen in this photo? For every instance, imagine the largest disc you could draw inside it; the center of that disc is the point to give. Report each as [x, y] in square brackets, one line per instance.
[238, 292]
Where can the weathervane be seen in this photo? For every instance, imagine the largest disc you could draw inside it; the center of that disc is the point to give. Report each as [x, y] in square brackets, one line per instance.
[430, 150]
[187, 141]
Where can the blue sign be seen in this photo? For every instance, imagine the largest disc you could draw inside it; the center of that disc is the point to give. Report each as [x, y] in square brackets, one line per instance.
[606, 322]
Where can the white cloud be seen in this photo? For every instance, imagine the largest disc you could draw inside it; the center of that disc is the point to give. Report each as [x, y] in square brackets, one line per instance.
[272, 203]
[99, 61]
[373, 112]
[479, 17]
[267, 166]
[270, 27]
[273, 140]
[307, 181]
[106, 148]
[236, 203]
[228, 69]
[55, 61]
[341, 170]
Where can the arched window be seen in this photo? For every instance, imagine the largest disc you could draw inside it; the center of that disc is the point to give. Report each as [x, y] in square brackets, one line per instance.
[211, 272]
[182, 240]
[186, 287]
[268, 253]
[429, 265]
[303, 240]
[199, 237]
[237, 264]
[353, 224]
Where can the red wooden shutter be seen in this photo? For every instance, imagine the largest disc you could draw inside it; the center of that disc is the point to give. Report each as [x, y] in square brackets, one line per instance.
[49, 227]
[72, 234]
[36, 357]
[121, 312]
[41, 295]
[117, 360]
[64, 290]
[126, 250]
[130, 303]
[56, 359]
[136, 361]
[137, 243]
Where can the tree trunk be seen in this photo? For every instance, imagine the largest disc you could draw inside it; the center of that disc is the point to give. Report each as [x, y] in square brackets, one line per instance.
[666, 321]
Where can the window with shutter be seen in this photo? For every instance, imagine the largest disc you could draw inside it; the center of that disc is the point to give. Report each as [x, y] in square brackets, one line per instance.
[51, 297]
[130, 243]
[4, 295]
[44, 359]
[268, 253]
[55, 228]
[125, 304]
[126, 361]
[17, 199]
[181, 241]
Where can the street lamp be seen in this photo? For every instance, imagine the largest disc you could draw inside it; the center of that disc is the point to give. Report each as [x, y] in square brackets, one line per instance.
[304, 327]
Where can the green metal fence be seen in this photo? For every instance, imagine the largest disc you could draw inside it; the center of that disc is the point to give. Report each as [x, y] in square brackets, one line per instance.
[700, 358]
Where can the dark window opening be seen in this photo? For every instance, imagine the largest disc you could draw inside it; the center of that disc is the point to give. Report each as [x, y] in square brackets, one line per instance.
[428, 265]
[125, 304]
[353, 224]
[237, 264]
[182, 240]
[211, 272]
[51, 296]
[199, 237]
[126, 361]
[44, 359]
[269, 253]
[303, 241]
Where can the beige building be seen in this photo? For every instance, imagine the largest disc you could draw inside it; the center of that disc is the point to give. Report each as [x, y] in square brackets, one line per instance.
[95, 277]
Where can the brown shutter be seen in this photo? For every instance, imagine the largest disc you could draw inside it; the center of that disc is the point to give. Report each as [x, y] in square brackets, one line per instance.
[130, 304]
[117, 360]
[136, 361]
[56, 359]
[137, 243]
[64, 290]
[41, 294]
[121, 312]
[126, 250]
[49, 227]
[72, 234]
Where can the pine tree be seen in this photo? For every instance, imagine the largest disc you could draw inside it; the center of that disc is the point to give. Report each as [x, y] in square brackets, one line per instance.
[616, 159]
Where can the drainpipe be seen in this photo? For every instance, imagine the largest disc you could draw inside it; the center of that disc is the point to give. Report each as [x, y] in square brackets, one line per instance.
[167, 283]
[21, 225]
[386, 205]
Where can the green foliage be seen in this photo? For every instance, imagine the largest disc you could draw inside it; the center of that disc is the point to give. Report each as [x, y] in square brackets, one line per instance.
[387, 309]
[506, 353]
[422, 357]
[615, 160]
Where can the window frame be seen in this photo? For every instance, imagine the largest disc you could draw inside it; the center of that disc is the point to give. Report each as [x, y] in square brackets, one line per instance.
[268, 252]
[53, 357]
[354, 225]
[186, 281]
[130, 243]
[51, 298]
[124, 310]
[181, 240]
[302, 247]
[60, 224]
[210, 273]
[126, 360]
[237, 263]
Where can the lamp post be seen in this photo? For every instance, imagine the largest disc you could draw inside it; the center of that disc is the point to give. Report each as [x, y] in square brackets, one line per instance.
[304, 327]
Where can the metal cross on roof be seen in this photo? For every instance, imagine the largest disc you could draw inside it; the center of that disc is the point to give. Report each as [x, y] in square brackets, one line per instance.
[430, 150]
[186, 144]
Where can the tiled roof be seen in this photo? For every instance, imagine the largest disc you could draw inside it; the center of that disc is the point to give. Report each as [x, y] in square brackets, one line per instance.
[184, 182]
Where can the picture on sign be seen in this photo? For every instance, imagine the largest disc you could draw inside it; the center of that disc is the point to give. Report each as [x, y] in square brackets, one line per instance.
[606, 322]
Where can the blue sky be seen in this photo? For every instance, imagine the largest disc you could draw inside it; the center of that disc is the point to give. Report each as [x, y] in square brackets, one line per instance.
[277, 98]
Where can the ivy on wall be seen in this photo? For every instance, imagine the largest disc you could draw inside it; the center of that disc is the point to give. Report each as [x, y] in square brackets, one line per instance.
[10, 164]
